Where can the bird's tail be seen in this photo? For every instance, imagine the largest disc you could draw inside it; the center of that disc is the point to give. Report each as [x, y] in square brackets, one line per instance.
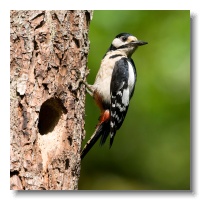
[102, 131]
[112, 136]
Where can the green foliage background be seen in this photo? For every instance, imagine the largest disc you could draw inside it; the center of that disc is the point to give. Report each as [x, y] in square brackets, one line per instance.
[151, 151]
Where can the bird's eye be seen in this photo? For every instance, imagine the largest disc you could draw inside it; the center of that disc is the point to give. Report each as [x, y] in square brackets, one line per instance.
[124, 39]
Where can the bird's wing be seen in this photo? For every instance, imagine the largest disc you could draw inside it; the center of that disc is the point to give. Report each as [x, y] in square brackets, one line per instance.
[120, 96]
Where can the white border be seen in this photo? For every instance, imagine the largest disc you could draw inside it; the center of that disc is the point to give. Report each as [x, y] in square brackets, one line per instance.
[6, 6]
[101, 5]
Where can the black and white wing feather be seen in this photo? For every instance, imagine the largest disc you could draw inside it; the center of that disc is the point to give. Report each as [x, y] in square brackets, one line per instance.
[121, 89]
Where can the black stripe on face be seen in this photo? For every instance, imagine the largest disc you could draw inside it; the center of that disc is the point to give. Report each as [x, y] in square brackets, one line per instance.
[125, 46]
[116, 55]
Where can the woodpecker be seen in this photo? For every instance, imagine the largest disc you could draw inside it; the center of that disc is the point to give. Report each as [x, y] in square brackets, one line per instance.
[113, 87]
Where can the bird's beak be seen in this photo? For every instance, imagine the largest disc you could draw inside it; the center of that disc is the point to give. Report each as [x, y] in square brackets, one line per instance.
[139, 42]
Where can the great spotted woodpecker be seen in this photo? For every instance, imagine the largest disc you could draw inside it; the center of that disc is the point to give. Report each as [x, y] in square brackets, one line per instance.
[113, 88]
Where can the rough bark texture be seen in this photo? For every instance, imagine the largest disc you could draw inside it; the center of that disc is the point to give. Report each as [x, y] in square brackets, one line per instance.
[48, 56]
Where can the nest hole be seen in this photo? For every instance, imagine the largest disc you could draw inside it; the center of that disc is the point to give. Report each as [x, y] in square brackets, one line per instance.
[50, 113]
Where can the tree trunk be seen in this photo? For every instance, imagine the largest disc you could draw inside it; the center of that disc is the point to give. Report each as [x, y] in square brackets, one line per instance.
[48, 56]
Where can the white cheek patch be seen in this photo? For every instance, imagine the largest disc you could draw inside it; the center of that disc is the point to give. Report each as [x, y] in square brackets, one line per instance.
[117, 42]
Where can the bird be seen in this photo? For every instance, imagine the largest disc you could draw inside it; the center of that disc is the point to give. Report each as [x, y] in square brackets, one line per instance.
[113, 88]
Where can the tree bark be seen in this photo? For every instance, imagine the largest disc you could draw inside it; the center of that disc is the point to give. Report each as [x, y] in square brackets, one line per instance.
[47, 104]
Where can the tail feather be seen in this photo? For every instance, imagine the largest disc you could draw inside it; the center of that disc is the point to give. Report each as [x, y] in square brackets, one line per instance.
[112, 136]
[102, 130]
[105, 132]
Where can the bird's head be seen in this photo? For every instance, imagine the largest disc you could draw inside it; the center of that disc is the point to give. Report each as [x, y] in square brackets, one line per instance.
[127, 43]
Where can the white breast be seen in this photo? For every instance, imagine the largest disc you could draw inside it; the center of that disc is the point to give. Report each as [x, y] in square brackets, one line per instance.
[102, 81]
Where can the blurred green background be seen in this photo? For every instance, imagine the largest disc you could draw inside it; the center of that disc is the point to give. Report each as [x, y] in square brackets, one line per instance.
[151, 151]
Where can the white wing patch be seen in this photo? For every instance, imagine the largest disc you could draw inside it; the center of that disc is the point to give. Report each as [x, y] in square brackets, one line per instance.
[131, 79]
[131, 82]
[125, 97]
